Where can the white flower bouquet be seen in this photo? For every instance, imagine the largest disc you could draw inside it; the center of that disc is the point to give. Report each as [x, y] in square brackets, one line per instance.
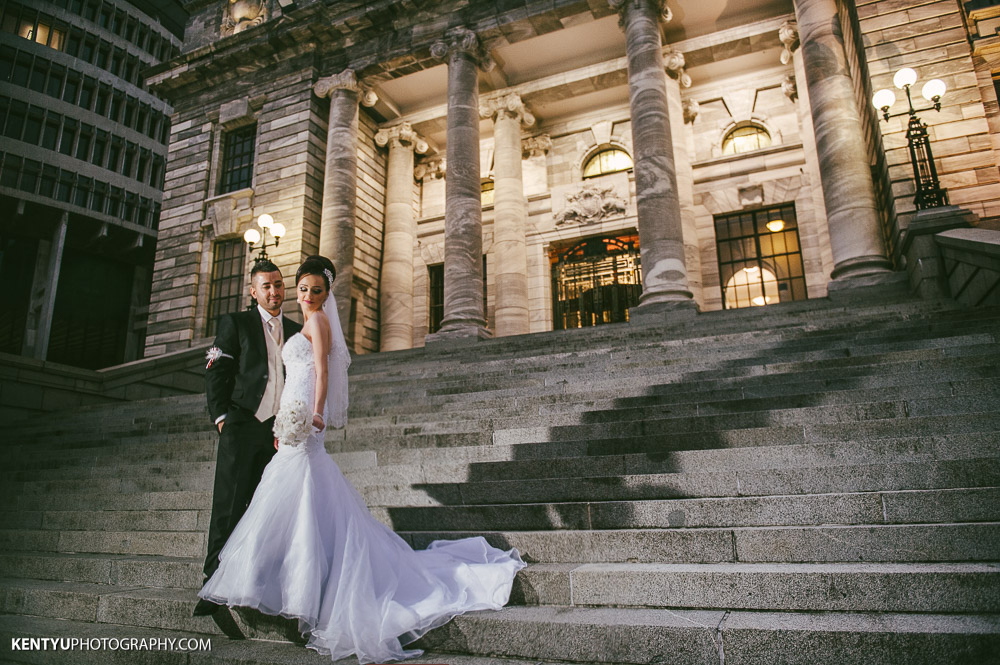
[293, 424]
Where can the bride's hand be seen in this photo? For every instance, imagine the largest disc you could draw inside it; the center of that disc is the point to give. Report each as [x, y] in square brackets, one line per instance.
[318, 422]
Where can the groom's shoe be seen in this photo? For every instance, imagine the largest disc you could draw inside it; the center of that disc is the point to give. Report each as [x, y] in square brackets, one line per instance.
[205, 608]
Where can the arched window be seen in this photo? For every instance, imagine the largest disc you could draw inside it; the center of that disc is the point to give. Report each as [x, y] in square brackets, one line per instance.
[611, 160]
[745, 138]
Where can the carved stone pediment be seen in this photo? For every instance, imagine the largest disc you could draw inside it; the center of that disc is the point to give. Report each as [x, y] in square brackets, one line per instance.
[592, 203]
[230, 213]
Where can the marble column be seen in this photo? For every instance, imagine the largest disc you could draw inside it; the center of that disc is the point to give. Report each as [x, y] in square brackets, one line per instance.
[45, 285]
[795, 88]
[661, 236]
[510, 210]
[683, 145]
[463, 221]
[396, 291]
[855, 229]
[336, 235]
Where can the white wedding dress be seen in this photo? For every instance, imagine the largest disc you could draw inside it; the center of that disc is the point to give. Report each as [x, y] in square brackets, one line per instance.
[308, 548]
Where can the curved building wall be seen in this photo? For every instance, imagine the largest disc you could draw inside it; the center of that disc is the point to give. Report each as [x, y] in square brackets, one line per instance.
[83, 147]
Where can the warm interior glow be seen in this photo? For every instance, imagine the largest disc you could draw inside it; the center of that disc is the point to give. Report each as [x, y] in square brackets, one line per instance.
[751, 286]
[775, 225]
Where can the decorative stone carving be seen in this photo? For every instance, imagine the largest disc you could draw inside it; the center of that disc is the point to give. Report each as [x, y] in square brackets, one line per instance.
[465, 40]
[751, 196]
[674, 63]
[592, 204]
[691, 109]
[229, 213]
[402, 134]
[789, 87]
[345, 80]
[621, 6]
[788, 33]
[430, 170]
[510, 104]
[536, 146]
[238, 15]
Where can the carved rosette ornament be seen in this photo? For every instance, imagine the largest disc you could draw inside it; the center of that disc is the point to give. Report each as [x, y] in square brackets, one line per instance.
[510, 105]
[536, 146]
[691, 109]
[788, 33]
[789, 87]
[402, 134]
[345, 80]
[621, 6]
[238, 15]
[590, 205]
[462, 40]
[674, 63]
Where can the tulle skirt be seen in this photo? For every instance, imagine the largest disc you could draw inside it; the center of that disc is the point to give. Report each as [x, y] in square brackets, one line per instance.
[309, 549]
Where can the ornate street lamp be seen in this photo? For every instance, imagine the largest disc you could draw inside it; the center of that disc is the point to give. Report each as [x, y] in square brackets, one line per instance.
[930, 194]
[252, 236]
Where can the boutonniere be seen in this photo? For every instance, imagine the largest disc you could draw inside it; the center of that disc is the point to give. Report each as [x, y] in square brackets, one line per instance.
[214, 354]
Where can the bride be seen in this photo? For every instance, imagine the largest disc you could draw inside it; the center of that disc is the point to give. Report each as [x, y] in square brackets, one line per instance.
[307, 547]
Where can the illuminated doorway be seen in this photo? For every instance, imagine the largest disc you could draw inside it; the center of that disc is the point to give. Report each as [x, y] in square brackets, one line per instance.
[595, 281]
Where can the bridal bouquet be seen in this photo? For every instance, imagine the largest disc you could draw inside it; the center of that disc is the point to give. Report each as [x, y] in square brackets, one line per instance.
[293, 424]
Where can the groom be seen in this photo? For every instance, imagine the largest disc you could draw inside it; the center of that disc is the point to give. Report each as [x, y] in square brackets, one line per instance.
[243, 383]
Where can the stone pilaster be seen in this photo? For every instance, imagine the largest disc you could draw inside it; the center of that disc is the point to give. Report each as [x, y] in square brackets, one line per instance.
[683, 147]
[337, 221]
[396, 292]
[43, 291]
[796, 90]
[855, 233]
[463, 221]
[661, 236]
[510, 214]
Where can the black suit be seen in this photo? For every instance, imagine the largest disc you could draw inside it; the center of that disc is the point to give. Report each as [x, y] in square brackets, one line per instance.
[234, 388]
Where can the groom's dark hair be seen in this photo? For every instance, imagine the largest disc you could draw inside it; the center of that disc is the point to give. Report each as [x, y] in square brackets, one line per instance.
[262, 266]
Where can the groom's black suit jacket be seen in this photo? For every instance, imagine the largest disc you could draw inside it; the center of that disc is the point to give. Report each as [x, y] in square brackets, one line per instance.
[240, 380]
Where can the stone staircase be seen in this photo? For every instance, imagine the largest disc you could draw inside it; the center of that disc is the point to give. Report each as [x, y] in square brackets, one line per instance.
[802, 483]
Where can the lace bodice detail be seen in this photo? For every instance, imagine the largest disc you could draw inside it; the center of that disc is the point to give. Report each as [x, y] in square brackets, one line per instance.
[294, 423]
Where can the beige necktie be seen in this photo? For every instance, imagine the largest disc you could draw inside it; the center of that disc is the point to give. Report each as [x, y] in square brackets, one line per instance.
[272, 327]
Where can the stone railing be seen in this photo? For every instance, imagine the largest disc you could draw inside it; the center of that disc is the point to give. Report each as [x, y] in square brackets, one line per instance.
[971, 263]
[29, 387]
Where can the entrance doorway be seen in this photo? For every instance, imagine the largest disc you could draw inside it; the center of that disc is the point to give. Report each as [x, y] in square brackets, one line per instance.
[595, 281]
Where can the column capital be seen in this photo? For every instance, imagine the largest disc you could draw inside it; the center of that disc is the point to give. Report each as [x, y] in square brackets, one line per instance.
[462, 40]
[535, 146]
[675, 65]
[510, 104]
[345, 80]
[660, 6]
[788, 33]
[401, 135]
[434, 169]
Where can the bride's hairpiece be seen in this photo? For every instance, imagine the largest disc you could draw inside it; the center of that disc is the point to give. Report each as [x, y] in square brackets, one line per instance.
[329, 277]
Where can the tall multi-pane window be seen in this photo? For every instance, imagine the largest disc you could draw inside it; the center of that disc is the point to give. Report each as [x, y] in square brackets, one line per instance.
[435, 274]
[760, 260]
[237, 159]
[228, 278]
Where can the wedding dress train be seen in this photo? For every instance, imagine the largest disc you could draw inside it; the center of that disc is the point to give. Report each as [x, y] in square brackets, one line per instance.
[309, 549]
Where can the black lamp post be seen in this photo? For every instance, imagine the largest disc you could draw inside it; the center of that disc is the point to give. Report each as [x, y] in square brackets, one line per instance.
[930, 194]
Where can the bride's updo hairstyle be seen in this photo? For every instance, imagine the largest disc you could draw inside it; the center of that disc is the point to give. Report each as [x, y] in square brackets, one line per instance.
[317, 265]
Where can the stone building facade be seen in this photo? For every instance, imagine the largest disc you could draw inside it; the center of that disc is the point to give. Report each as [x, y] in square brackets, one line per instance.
[477, 171]
[83, 147]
